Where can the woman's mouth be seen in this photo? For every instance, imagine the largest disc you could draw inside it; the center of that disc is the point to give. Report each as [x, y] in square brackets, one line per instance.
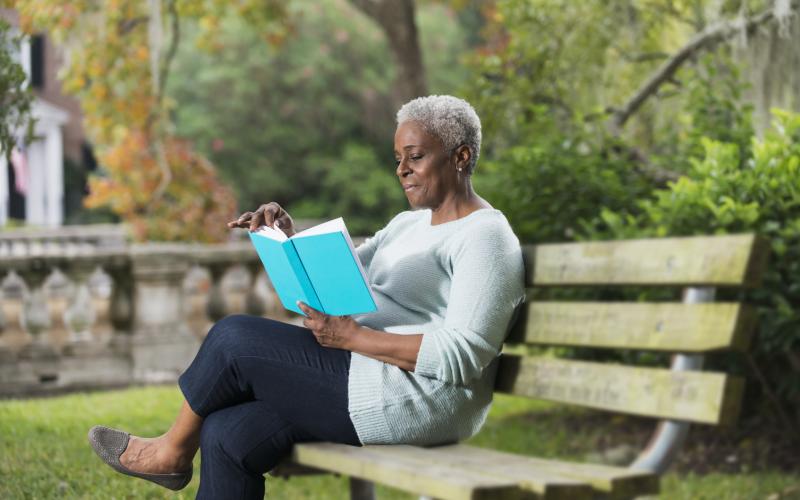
[408, 187]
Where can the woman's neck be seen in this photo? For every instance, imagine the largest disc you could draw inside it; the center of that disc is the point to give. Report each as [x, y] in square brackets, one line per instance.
[458, 205]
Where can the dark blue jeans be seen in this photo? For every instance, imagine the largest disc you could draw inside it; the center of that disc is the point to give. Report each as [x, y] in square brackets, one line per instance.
[261, 386]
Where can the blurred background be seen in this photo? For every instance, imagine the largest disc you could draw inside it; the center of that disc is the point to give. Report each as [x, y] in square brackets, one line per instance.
[149, 124]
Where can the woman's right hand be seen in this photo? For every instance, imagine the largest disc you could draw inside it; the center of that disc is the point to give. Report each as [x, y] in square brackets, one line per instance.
[270, 214]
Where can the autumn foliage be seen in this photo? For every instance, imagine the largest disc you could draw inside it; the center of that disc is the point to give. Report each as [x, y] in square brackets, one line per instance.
[194, 206]
[118, 54]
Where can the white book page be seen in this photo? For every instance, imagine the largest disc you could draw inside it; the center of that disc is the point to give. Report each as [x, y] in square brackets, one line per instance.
[332, 226]
[273, 234]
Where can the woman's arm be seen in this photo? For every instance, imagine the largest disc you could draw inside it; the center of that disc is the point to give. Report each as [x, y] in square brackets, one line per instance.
[342, 332]
[392, 348]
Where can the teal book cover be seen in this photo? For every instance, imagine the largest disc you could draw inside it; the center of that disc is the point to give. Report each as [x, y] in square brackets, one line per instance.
[318, 266]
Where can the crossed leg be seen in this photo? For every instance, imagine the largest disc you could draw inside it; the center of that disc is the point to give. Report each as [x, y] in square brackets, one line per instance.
[255, 388]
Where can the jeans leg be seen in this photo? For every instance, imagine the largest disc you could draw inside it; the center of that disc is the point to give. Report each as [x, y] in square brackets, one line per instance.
[237, 445]
[261, 386]
[246, 358]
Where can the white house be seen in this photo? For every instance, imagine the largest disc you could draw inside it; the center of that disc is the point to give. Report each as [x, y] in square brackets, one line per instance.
[58, 131]
[44, 196]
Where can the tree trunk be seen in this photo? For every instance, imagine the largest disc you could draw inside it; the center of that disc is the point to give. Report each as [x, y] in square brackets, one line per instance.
[396, 19]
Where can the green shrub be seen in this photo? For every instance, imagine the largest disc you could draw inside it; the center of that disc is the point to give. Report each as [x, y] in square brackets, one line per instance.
[762, 195]
[547, 186]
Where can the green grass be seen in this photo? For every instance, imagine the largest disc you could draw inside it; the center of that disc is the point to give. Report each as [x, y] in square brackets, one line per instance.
[44, 452]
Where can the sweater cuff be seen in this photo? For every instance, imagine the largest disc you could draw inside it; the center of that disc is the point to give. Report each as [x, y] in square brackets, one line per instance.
[428, 360]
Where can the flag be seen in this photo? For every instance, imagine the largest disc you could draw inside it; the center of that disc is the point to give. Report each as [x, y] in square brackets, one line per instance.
[19, 163]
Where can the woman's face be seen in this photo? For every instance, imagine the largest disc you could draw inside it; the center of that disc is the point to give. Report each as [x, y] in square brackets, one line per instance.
[426, 171]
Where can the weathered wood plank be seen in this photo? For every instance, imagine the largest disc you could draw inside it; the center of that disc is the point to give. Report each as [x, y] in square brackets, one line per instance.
[651, 326]
[615, 482]
[711, 398]
[547, 484]
[726, 260]
[432, 479]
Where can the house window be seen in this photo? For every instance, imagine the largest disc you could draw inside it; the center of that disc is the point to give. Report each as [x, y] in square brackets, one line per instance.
[37, 61]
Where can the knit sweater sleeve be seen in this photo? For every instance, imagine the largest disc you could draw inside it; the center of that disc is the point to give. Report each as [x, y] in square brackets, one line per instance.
[487, 286]
[366, 250]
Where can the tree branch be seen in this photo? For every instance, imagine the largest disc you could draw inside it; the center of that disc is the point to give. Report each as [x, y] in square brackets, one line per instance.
[709, 36]
[171, 51]
[396, 19]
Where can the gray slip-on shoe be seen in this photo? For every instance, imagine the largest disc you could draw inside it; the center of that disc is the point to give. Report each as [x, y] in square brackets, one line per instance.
[110, 444]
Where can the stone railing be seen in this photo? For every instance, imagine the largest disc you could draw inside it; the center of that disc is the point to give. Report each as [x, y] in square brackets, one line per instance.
[28, 241]
[77, 313]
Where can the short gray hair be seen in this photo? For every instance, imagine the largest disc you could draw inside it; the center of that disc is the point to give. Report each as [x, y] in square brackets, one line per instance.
[452, 120]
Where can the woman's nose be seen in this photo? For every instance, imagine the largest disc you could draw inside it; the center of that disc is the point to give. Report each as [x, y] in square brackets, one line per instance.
[402, 168]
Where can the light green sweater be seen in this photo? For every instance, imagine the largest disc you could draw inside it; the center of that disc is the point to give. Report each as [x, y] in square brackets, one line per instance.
[458, 283]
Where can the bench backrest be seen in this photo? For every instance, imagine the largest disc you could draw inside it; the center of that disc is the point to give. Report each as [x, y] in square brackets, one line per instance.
[698, 264]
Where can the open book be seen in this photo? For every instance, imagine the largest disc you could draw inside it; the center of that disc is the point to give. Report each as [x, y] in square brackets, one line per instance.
[318, 266]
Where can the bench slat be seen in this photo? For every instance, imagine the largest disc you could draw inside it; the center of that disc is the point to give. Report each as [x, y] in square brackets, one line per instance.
[616, 482]
[651, 326]
[432, 479]
[711, 398]
[728, 260]
[547, 484]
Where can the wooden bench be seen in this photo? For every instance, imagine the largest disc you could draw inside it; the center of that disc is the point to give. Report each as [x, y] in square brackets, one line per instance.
[678, 395]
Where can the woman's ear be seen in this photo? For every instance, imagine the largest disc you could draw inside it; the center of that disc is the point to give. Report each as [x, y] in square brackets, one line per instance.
[463, 156]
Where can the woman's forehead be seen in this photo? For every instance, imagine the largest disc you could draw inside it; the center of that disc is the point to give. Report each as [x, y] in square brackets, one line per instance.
[410, 134]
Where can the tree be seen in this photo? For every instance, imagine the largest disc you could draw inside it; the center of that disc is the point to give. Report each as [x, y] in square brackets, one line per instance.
[121, 51]
[15, 98]
[397, 19]
[309, 123]
[548, 84]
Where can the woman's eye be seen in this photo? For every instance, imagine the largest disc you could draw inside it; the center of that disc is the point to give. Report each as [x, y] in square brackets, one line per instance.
[416, 157]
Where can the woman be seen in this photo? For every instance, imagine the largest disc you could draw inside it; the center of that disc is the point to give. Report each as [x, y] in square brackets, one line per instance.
[447, 277]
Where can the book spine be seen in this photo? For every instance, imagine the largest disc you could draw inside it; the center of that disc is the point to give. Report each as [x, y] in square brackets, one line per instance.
[302, 276]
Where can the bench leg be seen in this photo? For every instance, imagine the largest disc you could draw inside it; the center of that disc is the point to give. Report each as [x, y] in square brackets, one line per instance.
[361, 490]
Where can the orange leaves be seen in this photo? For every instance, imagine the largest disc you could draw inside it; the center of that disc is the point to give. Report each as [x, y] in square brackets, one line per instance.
[194, 205]
[109, 72]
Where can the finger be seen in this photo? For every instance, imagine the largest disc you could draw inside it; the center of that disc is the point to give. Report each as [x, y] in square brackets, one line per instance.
[310, 311]
[257, 220]
[241, 220]
[304, 308]
[272, 212]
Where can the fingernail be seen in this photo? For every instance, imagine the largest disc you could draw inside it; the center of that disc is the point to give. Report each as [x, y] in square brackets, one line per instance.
[277, 223]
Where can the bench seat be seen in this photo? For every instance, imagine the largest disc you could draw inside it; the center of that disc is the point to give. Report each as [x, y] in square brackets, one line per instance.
[462, 472]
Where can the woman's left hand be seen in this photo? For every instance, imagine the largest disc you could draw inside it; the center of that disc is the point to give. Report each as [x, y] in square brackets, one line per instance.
[330, 331]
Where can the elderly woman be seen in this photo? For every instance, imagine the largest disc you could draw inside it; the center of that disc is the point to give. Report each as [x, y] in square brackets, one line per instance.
[447, 276]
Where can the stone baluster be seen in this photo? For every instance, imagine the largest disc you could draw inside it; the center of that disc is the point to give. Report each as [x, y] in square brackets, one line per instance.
[121, 306]
[6, 354]
[254, 301]
[79, 316]
[216, 305]
[35, 317]
[162, 345]
[2, 313]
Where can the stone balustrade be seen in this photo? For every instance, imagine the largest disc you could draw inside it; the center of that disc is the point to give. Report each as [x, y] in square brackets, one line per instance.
[88, 310]
[26, 241]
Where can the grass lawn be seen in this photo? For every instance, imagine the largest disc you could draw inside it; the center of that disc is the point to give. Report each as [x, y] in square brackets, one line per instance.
[44, 452]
